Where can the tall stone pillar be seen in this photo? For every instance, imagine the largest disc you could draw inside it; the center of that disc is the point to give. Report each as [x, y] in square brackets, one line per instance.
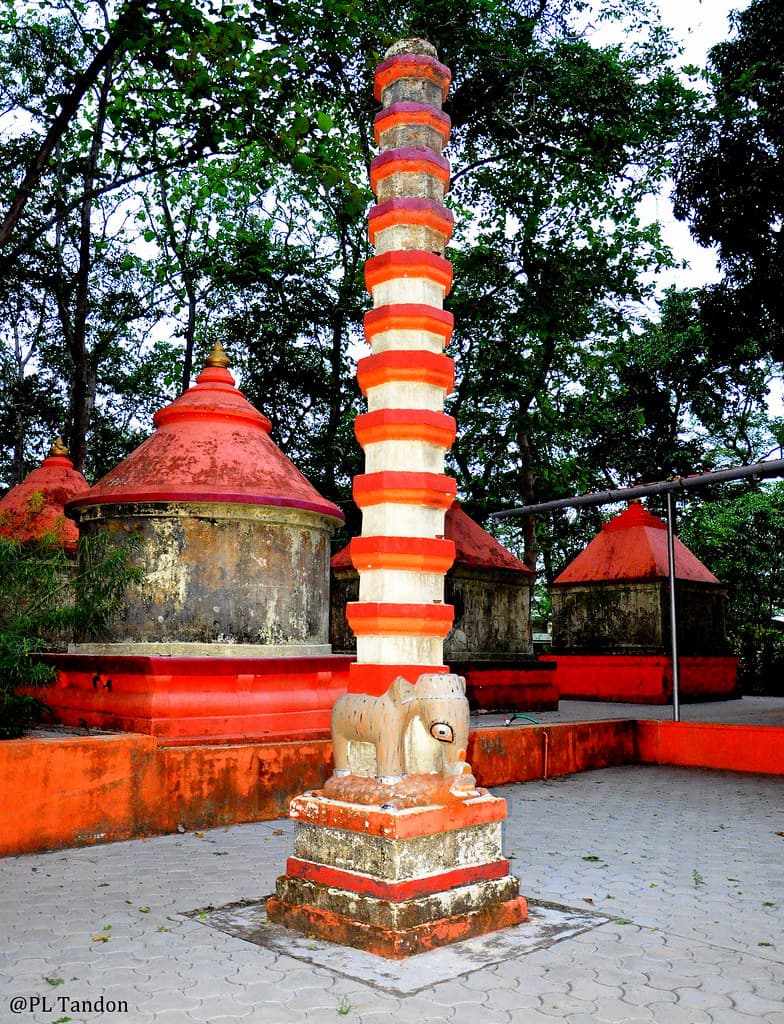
[400, 619]
[401, 852]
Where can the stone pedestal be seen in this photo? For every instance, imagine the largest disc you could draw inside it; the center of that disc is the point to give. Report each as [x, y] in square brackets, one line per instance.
[397, 882]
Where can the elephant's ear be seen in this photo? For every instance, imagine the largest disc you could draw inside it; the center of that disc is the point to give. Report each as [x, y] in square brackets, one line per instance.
[401, 690]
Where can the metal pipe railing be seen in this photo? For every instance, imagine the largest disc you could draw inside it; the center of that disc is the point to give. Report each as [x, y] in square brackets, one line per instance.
[771, 467]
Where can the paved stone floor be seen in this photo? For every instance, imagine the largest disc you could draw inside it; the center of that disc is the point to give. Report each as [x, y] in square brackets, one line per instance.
[689, 866]
[748, 711]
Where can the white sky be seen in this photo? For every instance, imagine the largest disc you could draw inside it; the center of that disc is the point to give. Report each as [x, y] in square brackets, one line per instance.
[696, 25]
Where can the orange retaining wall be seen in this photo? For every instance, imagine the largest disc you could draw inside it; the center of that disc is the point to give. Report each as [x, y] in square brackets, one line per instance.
[77, 790]
[736, 748]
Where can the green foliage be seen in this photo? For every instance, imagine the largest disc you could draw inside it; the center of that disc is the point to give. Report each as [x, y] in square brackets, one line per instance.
[739, 538]
[44, 601]
[212, 185]
[729, 182]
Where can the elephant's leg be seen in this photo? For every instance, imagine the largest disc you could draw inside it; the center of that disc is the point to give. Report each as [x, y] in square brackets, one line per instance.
[340, 740]
[390, 757]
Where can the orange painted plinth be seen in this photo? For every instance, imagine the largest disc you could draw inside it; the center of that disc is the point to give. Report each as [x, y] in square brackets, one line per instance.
[643, 679]
[416, 821]
[396, 945]
[509, 686]
[196, 700]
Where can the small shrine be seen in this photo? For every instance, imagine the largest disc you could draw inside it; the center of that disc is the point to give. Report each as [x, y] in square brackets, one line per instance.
[490, 642]
[34, 508]
[225, 634]
[611, 619]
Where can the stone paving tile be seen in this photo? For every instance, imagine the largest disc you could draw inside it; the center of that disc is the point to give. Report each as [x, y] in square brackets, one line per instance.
[692, 863]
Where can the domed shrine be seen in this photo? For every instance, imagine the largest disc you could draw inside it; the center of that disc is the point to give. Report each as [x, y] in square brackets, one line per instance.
[225, 633]
[611, 618]
[34, 509]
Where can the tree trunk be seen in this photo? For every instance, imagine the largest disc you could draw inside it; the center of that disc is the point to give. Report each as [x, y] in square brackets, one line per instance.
[527, 478]
[83, 381]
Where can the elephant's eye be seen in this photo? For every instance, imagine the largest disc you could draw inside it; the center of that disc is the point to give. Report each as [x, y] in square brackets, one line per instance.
[442, 732]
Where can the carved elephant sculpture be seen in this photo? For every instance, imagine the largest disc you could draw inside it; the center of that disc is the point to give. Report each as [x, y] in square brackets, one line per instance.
[437, 699]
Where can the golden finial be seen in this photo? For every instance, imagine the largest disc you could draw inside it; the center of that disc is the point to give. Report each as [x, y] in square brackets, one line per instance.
[218, 357]
[58, 448]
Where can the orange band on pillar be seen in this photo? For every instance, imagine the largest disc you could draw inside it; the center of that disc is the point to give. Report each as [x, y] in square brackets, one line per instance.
[409, 316]
[405, 425]
[408, 160]
[402, 488]
[408, 263]
[411, 65]
[409, 554]
[415, 366]
[371, 618]
[410, 210]
[400, 114]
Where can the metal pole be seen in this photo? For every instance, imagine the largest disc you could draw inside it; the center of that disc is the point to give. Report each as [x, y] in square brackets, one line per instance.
[773, 467]
[676, 675]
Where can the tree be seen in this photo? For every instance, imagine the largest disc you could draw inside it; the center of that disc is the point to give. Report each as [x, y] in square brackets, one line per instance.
[739, 537]
[45, 601]
[115, 95]
[729, 183]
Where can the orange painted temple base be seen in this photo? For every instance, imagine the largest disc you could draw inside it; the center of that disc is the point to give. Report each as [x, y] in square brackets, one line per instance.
[397, 883]
[643, 678]
[509, 685]
[186, 700]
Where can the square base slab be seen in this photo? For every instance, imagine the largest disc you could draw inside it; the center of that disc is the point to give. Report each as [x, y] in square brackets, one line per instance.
[547, 924]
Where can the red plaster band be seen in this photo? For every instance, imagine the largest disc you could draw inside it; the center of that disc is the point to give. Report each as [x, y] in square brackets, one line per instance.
[394, 824]
[418, 367]
[411, 65]
[376, 679]
[395, 892]
[408, 160]
[410, 210]
[388, 942]
[412, 554]
[374, 618]
[411, 113]
[196, 493]
[404, 488]
[409, 316]
[405, 425]
[408, 263]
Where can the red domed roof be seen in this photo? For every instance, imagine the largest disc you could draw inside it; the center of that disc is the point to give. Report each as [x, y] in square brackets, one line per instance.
[633, 546]
[473, 545]
[34, 508]
[210, 444]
